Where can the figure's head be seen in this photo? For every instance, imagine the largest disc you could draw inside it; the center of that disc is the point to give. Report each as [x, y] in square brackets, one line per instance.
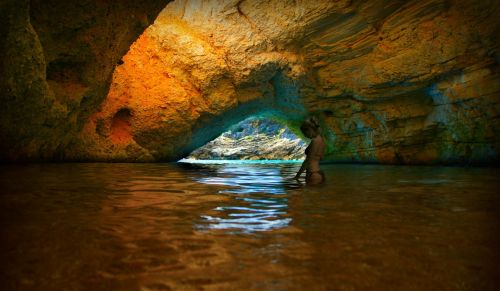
[310, 127]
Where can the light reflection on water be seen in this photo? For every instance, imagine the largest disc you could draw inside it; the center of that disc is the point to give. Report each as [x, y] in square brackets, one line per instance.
[247, 226]
[259, 196]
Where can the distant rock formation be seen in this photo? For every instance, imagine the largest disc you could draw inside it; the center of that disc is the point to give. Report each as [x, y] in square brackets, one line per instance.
[253, 139]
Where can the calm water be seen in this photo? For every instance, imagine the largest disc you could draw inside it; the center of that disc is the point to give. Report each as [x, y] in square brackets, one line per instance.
[248, 227]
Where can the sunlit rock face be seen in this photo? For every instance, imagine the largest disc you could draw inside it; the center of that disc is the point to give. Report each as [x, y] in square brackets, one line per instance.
[253, 139]
[197, 71]
[391, 81]
[57, 60]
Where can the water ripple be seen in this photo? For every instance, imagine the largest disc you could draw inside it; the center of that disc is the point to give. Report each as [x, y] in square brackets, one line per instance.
[258, 203]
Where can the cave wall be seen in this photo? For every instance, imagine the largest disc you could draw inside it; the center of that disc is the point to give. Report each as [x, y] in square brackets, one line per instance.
[412, 82]
[57, 59]
[423, 86]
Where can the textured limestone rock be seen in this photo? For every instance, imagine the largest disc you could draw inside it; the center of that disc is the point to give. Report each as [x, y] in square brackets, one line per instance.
[391, 81]
[181, 90]
[253, 139]
[424, 85]
[57, 59]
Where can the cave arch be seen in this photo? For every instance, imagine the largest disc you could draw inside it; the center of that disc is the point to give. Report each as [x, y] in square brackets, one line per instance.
[201, 68]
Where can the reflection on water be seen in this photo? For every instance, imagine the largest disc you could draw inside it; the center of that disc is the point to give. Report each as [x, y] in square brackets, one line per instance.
[259, 203]
[247, 226]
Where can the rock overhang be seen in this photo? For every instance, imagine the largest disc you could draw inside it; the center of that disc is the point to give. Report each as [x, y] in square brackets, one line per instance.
[392, 82]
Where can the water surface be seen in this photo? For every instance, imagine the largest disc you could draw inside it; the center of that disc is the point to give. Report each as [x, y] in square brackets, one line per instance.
[248, 226]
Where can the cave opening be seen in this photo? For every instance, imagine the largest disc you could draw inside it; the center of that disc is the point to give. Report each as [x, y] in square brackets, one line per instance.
[256, 138]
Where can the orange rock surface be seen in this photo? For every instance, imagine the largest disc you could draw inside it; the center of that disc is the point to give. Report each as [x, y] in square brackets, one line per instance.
[392, 82]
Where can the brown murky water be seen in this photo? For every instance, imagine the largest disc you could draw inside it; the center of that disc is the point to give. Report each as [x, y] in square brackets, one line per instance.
[248, 227]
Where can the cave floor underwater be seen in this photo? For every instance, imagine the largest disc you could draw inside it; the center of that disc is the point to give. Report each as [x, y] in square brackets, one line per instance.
[249, 226]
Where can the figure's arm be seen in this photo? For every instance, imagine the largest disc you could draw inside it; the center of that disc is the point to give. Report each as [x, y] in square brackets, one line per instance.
[303, 167]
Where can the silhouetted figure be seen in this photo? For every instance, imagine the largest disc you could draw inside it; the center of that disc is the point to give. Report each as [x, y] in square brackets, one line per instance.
[314, 152]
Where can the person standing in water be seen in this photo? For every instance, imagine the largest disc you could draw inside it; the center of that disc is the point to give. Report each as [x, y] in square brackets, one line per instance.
[314, 152]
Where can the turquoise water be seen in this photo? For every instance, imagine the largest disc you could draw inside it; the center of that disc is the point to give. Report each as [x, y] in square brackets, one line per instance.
[238, 162]
[240, 226]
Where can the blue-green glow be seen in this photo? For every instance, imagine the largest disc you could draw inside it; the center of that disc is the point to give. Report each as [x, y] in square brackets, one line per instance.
[193, 161]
